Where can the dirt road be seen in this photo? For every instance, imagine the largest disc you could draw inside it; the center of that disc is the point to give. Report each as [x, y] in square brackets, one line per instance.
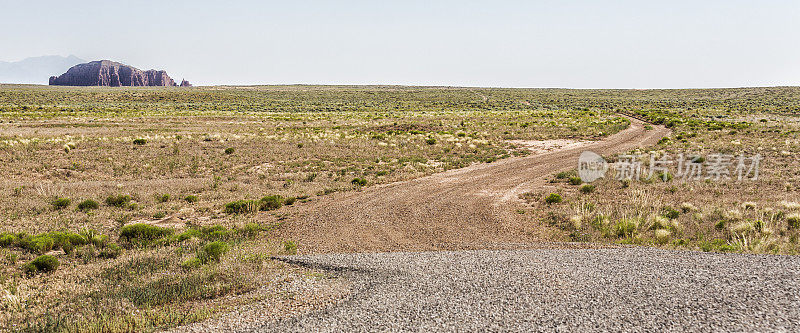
[469, 208]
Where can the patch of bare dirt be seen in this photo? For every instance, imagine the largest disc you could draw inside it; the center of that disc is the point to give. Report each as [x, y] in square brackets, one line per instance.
[546, 146]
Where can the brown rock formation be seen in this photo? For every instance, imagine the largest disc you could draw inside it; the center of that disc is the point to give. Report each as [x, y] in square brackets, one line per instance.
[185, 83]
[112, 74]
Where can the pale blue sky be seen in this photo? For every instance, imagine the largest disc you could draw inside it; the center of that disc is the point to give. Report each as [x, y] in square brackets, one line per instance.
[579, 44]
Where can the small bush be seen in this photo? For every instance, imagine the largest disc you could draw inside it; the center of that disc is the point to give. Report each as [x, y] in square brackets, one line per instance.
[625, 228]
[575, 181]
[242, 207]
[251, 229]
[289, 201]
[359, 182]
[42, 264]
[110, 251]
[430, 141]
[61, 203]
[120, 200]
[793, 220]
[214, 233]
[191, 263]
[563, 175]
[271, 202]
[671, 213]
[139, 142]
[191, 198]
[37, 244]
[87, 205]
[290, 247]
[213, 252]
[587, 188]
[142, 233]
[163, 198]
[7, 239]
[553, 198]
[229, 151]
[662, 236]
[160, 215]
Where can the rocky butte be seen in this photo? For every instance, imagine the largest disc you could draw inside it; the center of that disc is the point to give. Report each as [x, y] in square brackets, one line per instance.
[111, 74]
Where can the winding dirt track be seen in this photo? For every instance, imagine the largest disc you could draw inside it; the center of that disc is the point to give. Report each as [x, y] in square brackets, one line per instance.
[469, 208]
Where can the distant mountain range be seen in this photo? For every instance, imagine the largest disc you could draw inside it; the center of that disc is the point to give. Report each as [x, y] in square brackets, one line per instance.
[36, 70]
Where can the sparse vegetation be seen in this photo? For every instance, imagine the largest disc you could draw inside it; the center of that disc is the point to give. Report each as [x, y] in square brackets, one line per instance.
[231, 146]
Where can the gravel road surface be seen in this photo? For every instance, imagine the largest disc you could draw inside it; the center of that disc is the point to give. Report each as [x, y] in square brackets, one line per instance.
[620, 289]
[468, 208]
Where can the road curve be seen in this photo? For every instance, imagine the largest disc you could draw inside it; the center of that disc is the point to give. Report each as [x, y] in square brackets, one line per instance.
[557, 290]
[466, 208]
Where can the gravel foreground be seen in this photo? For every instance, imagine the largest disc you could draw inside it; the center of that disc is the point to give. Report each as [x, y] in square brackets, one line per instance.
[621, 289]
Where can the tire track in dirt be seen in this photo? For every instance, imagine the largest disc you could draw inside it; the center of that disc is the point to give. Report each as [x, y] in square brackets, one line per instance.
[468, 208]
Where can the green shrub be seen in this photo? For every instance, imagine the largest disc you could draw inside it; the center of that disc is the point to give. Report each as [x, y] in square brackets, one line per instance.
[160, 215]
[359, 182]
[229, 151]
[163, 198]
[142, 233]
[61, 203]
[553, 198]
[430, 141]
[42, 264]
[242, 207]
[110, 251]
[120, 200]
[213, 252]
[793, 220]
[7, 239]
[77, 239]
[625, 228]
[251, 229]
[563, 175]
[139, 141]
[37, 244]
[289, 201]
[87, 205]
[191, 198]
[717, 245]
[290, 247]
[671, 213]
[216, 232]
[271, 202]
[587, 188]
[575, 181]
[191, 263]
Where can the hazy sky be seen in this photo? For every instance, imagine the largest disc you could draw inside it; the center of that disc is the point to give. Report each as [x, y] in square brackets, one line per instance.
[580, 44]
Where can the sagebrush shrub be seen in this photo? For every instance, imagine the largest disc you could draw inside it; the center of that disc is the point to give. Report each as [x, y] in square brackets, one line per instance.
[793, 220]
[553, 198]
[625, 228]
[271, 202]
[61, 203]
[213, 251]
[587, 188]
[119, 200]
[143, 233]
[87, 205]
[44, 264]
[242, 207]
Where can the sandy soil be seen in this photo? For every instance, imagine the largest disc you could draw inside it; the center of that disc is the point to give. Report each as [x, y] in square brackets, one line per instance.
[469, 208]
